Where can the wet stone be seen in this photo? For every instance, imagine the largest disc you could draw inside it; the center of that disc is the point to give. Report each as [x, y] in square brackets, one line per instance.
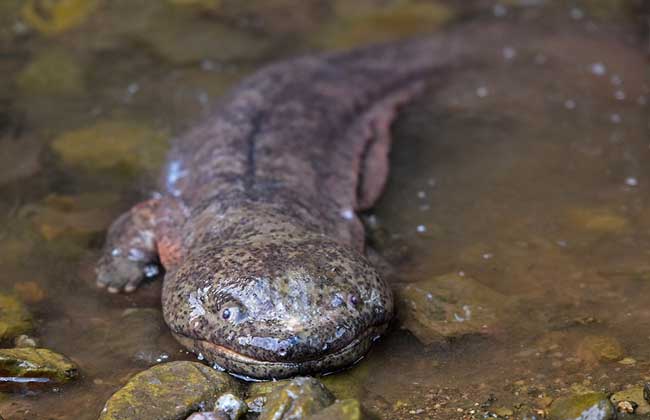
[297, 399]
[169, 391]
[33, 368]
[599, 348]
[589, 406]
[55, 16]
[209, 415]
[231, 405]
[52, 72]
[15, 319]
[449, 307]
[124, 147]
[635, 397]
[341, 410]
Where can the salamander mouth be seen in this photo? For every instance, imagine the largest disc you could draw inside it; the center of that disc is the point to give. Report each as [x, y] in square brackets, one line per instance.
[250, 368]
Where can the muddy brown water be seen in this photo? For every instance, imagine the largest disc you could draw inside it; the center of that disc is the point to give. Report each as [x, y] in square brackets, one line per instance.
[526, 173]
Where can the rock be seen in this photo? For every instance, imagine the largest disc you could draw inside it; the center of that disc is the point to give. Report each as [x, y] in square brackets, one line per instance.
[15, 319]
[56, 16]
[182, 37]
[295, 400]
[32, 368]
[209, 415]
[635, 397]
[232, 406]
[590, 406]
[448, 307]
[365, 22]
[169, 391]
[341, 410]
[122, 146]
[600, 348]
[19, 159]
[52, 72]
[598, 220]
[29, 291]
[25, 341]
[258, 393]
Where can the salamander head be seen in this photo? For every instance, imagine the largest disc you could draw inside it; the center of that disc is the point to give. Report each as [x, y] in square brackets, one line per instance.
[277, 309]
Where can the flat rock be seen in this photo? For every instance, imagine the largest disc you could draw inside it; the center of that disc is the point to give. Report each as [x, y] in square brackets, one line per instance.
[33, 367]
[449, 307]
[633, 395]
[169, 391]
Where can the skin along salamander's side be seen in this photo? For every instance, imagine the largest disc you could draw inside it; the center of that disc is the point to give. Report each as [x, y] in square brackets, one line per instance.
[256, 222]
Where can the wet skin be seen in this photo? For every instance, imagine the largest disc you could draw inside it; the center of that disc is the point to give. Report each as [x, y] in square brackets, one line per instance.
[256, 226]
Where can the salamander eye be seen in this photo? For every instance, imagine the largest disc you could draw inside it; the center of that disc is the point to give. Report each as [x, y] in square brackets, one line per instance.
[354, 300]
[231, 312]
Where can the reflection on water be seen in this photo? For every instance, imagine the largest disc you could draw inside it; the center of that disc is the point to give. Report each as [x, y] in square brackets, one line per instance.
[525, 174]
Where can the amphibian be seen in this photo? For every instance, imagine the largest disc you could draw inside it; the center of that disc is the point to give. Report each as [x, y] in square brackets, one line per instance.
[256, 223]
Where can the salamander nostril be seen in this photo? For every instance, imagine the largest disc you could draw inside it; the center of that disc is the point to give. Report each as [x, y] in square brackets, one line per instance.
[354, 300]
[282, 351]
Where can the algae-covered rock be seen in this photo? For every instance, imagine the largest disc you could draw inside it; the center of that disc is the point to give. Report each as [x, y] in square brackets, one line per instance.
[33, 367]
[52, 72]
[589, 406]
[120, 145]
[169, 391]
[15, 319]
[341, 410]
[258, 393]
[349, 383]
[297, 399]
[182, 37]
[364, 22]
[51, 17]
[449, 306]
[79, 218]
[597, 220]
[635, 396]
[600, 348]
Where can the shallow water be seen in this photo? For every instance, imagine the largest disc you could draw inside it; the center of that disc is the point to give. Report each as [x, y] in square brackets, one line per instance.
[524, 173]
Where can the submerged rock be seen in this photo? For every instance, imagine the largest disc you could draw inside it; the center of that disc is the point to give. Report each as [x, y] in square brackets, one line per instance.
[449, 306]
[19, 159]
[596, 220]
[297, 399]
[589, 406]
[52, 72]
[55, 16]
[600, 348]
[33, 367]
[169, 391]
[365, 22]
[123, 146]
[341, 410]
[15, 319]
[634, 396]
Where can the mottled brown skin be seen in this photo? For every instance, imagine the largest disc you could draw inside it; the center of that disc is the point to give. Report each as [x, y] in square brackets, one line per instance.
[257, 227]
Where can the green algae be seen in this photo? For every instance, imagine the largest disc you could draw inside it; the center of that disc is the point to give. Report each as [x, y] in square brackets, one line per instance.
[589, 406]
[297, 399]
[15, 319]
[349, 409]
